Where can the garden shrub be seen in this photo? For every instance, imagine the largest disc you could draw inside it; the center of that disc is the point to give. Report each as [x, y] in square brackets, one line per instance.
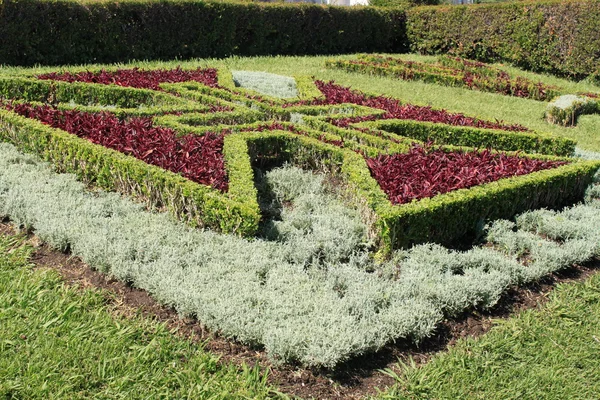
[548, 36]
[271, 293]
[530, 142]
[270, 84]
[557, 37]
[565, 110]
[78, 32]
[242, 130]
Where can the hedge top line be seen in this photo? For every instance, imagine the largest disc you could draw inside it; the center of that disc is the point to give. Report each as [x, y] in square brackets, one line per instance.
[441, 7]
[71, 32]
[517, 3]
[548, 36]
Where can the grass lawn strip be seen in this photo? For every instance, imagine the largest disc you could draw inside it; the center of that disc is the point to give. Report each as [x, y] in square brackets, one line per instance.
[546, 353]
[269, 293]
[60, 342]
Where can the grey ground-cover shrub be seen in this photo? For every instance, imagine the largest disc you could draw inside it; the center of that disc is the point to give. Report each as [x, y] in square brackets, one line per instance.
[315, 305]
[318, 229]
[586, 154]
[539, 255]
[249, 290]
[273, 85]
[456, 281]
[579, 222]
[565, 109]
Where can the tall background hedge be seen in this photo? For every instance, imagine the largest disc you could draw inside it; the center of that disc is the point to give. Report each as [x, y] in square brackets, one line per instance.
[558, 37]
[102, 31]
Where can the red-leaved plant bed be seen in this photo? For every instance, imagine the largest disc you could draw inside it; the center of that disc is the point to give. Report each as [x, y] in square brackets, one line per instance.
[471, 74]
[198, 158]
[336, 94]
[425, 173]
[137, 78]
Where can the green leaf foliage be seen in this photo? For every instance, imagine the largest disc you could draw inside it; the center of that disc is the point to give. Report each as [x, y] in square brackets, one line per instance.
[78, 32]
[250, 122]
[284, 294]
[557, 37]
[565, 110]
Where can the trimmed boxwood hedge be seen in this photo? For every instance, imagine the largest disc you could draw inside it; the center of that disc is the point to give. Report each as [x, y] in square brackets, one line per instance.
[260, 131]
[558, 37]
[103, 31]
[234, 212]
[447, 217]
[529, 142]
[442, 219]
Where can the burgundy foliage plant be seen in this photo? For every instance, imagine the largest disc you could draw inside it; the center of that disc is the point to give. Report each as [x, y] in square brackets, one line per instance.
[138, 78]
[198, 158]
[336, 94]
[425, 173]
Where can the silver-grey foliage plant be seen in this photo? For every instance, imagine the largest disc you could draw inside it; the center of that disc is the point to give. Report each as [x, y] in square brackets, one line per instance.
[274, 85]
[311, 293]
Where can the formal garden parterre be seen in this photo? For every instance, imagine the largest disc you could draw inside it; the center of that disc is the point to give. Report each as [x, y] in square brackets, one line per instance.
[216, 145]
[325, 220]
[564, 107]
[192, 142]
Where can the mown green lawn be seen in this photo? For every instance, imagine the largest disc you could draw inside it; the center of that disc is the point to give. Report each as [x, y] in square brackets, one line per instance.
[550, 353]
[58, 342]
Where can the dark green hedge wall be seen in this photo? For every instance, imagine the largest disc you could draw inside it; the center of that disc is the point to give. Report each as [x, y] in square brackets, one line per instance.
[558, 37]
[403, 3]
[55, 32]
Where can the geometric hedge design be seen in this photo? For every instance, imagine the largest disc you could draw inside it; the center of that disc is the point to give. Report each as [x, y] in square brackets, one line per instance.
[328, 128]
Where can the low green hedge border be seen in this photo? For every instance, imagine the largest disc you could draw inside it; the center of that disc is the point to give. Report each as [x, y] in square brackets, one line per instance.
[234, 212]
[444, 218]
[528, 142]
[441, 219]
[389, 135]
[90, 97]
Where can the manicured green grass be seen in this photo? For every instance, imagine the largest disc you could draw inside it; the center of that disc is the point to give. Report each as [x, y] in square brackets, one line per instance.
[484, 105]
[551, 353]
[58, 342]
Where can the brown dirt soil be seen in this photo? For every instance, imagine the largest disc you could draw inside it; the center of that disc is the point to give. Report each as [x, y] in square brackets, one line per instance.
[354, 380]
